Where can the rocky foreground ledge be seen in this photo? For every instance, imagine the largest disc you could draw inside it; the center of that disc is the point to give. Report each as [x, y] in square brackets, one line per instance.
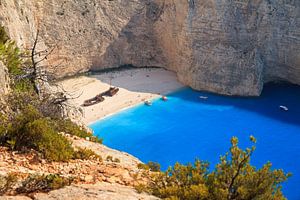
[112, 177]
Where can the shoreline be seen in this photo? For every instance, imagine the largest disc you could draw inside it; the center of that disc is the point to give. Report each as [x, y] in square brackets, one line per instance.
[136, 86]
[135, 105]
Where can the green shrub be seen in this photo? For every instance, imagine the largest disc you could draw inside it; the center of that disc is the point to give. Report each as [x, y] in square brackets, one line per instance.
[53, 146]
[23, 85]
[30, 130]
[67, 126]
[34, 122]
[19, 101]
[85, 154]
[142, 188]
[109, 158]
[152, 166]
[43, 183]
[10, 56]
[233, 178]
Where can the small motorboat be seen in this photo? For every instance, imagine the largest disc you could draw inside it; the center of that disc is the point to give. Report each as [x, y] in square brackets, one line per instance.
[203, 97]
[164, 98]
[284, 108]
[148, 103]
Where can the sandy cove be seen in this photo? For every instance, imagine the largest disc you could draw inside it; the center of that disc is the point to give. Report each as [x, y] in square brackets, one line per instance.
[136, 86]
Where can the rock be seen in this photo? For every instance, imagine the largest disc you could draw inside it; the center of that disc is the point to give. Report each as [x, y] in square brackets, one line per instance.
[89, 179]
[101, 191]
[229, 47]
[14, 198]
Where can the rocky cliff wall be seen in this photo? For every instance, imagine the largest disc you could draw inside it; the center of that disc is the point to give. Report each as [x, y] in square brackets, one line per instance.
[229, 47]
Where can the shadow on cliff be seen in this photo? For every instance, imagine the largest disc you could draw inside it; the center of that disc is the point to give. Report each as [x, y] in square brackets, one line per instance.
[136, 43]
[134, 46]
[273, 95]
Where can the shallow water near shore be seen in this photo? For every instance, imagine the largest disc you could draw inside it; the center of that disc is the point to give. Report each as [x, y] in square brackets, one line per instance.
[187, 127]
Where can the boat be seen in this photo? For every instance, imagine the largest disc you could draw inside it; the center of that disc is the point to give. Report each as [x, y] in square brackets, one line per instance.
[203, 97]
[148, 103]
[164, 98]
[284, 108]
[110, 92]
[97, 99]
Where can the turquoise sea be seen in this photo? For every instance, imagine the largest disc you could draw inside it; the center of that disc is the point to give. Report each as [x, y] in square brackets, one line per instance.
[187, 127]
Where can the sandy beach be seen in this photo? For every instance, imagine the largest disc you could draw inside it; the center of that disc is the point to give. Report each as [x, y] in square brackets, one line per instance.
[136, 86]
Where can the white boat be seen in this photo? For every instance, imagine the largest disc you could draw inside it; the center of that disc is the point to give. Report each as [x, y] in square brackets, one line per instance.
[284, 108]
[164, 98]
[148, 103]
[203, 97]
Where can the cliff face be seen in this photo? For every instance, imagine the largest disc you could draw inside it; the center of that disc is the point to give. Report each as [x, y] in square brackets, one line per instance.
[229, 47]
[232, 47]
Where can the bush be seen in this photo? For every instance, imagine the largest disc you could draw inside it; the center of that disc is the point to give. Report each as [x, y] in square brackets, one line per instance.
[109, 158]
[152, 166]
[53, 146]
[30, 130]
[23, 85]
[34, 122]
[67, 126]
[10, 56]
[233, 178]
[43, 183]
[85, 154]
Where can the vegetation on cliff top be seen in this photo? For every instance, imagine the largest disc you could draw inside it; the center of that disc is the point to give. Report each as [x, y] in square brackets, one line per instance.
[31, 121]
[33, 183]
[232, 179]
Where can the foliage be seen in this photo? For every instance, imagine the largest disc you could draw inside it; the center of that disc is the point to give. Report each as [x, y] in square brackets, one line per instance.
[30, 127]
[67, 126]
[52, 145]
[85, 154]
[109, 158]
[22, 85]
[10, 56]
[34, 122]
[152, 166]
[30, 130]
[33, 183]
[233, 178]
[43, 183]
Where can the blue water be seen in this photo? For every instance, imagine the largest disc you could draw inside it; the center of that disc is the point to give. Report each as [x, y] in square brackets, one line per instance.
[186, 127]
